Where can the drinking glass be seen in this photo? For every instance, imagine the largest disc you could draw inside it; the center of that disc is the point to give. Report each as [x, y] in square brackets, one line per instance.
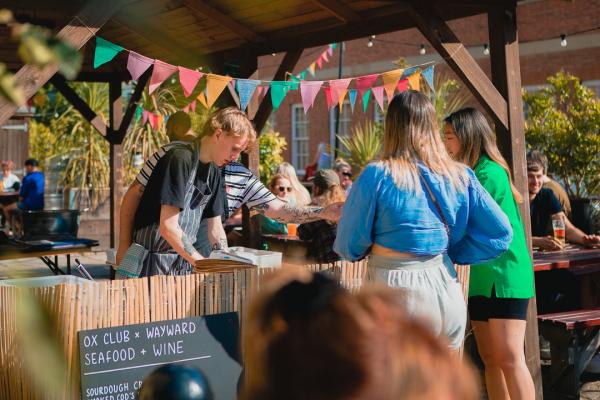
[558, 226]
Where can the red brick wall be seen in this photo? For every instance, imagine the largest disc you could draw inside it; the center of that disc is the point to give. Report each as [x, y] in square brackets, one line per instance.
[537, 21]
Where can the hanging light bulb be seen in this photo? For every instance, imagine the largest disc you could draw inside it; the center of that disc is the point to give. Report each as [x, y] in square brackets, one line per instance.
[273, 54]
[486, 49]
[370, 43]
[563, 40]
[422, 50]
[372, 36]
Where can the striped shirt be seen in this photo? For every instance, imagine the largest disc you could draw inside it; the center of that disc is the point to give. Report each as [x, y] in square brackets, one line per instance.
[242, 187]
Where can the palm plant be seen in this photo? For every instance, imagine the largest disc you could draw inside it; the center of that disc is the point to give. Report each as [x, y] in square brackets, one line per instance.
[363, 146]
[448, 97]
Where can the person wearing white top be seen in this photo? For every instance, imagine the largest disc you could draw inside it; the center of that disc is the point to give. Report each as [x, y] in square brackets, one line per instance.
[10, 183]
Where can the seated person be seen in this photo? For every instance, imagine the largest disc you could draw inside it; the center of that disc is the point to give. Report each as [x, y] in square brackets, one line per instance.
[543, 206]
[344, 171]
[308, 338]
[31, 194]
[9, 182]
[549, 183]
[321, 234]
[282, 188]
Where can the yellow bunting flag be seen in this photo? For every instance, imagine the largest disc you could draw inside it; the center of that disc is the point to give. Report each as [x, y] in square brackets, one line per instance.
[415, 81]
[215, 84]
[390, 79]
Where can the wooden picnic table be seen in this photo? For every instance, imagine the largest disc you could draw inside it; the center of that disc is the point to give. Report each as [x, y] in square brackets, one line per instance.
[292, 247]
[577, 259]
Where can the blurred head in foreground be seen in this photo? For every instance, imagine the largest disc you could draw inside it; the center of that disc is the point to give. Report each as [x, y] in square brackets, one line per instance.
[307, 338]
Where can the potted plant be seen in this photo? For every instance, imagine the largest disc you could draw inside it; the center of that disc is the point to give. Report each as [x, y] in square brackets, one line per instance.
[563, 122]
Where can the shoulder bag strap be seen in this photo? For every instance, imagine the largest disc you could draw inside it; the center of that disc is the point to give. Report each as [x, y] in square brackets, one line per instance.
[437, 206]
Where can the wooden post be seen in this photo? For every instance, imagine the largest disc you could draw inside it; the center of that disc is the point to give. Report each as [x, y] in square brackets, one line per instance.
[441, 37]
[77, 32]
[251, 229]
[116, 156]
[506, 76]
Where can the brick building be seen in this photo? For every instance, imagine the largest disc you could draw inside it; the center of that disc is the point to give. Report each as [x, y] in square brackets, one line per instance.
[541, 24]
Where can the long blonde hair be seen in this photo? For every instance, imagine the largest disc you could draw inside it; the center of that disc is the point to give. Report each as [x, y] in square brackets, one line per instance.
[301, 194]
[412, 136]
[476, 138]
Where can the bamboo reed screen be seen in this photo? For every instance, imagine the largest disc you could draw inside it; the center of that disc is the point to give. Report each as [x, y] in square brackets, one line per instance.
[104, 304]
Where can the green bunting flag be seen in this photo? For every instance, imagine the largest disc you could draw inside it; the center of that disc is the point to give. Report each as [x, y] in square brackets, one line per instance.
[278, 91]
[365, 99]
[105, 51]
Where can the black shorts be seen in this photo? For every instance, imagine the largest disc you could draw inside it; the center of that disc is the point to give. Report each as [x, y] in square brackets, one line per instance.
[483, 308]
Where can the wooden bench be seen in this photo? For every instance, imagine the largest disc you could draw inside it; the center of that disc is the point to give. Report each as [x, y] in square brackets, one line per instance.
[574, 338]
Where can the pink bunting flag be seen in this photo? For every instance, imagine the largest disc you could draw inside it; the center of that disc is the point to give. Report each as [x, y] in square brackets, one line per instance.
[403, 85]
[330, 50]
[153, 119]
[137, 64]
[186, 109]
[308, 92]
[328, 97]
[160, 73]
[193, 105]
[339, 87]
[320, 61]
[378, 94]
[325, 56]
[144, 116]
[390, 78]
[188, 79]
[365, 82]
[259, 91]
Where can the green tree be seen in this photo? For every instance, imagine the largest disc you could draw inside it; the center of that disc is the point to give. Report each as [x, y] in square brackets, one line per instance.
[564, 123]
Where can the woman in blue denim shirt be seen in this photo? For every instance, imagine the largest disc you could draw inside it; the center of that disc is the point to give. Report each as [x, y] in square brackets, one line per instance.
[416, 212]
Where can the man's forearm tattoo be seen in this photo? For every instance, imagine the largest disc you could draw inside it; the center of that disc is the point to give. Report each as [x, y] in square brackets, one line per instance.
[188, 246]
[300, 215]
[221, 244]
[261, 208]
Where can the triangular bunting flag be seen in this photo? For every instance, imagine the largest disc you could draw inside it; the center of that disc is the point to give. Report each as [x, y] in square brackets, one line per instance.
[428, 75]
[138, 113]
[144, 116]
[365, 99]
[137, 64]
[409, 71]
[188, 79]
[365, 82]
[414, 81]
[390, 79]
[246, 88]
[403, 85]
[352, 95]
[302, 76]
[378, 94]
[333, 45]
[105, 51]
[294, 81]
[186, 108]
[153, 119]
[328, 97]
[215, 84]
[159, 121]
[330, 50]
[234, 95]
[259, 91]
[308, 92]
[320, 62]
[339, 87]
[325, 56]
[193, 105]
[160, 73]
[202, 99]
[311, 69]
[278, 91]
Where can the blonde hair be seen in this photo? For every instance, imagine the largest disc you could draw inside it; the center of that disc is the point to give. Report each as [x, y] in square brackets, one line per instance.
[476, 138]
[333, 194]
[411, 137]
[307, 338]
[301, 194]
[274, 179]
[232, 121]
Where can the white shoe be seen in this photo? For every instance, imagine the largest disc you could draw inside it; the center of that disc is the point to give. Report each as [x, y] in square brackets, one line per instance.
[594, 365]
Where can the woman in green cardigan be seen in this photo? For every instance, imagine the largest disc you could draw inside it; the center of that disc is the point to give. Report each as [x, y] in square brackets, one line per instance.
[499, 290]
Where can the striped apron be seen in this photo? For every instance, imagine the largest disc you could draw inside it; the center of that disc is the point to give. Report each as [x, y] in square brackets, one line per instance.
[162, 259]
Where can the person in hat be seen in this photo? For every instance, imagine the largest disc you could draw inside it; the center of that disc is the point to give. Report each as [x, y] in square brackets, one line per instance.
[321, 233]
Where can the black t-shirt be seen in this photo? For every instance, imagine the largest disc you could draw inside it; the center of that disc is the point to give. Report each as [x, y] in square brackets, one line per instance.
[168, 185]
[544, 205]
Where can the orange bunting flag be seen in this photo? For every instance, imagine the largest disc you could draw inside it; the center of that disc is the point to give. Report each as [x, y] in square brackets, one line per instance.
[414, 81]
[311, 69]
[325, 56]
[202, 99]
[390, 79]
[339, 88]
[215, 84]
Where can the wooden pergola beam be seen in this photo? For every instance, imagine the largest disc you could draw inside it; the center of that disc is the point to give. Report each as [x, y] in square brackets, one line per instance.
[434, 28]
[202, 9]
[506, 75]
[340, 10]
[77, 32]
[115, 110]
[80, 105]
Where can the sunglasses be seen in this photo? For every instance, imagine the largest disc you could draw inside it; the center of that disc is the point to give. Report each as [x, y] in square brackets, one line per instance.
[282, 189]
[347, 174]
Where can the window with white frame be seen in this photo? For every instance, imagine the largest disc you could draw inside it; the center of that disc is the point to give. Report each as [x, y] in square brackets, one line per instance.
[345, 122]
[300, 142]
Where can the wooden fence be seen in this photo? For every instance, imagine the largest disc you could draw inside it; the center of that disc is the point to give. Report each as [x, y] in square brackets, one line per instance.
[93, 305]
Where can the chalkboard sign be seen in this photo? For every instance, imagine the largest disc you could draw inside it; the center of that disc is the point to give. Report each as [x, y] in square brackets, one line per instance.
[115, 361]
